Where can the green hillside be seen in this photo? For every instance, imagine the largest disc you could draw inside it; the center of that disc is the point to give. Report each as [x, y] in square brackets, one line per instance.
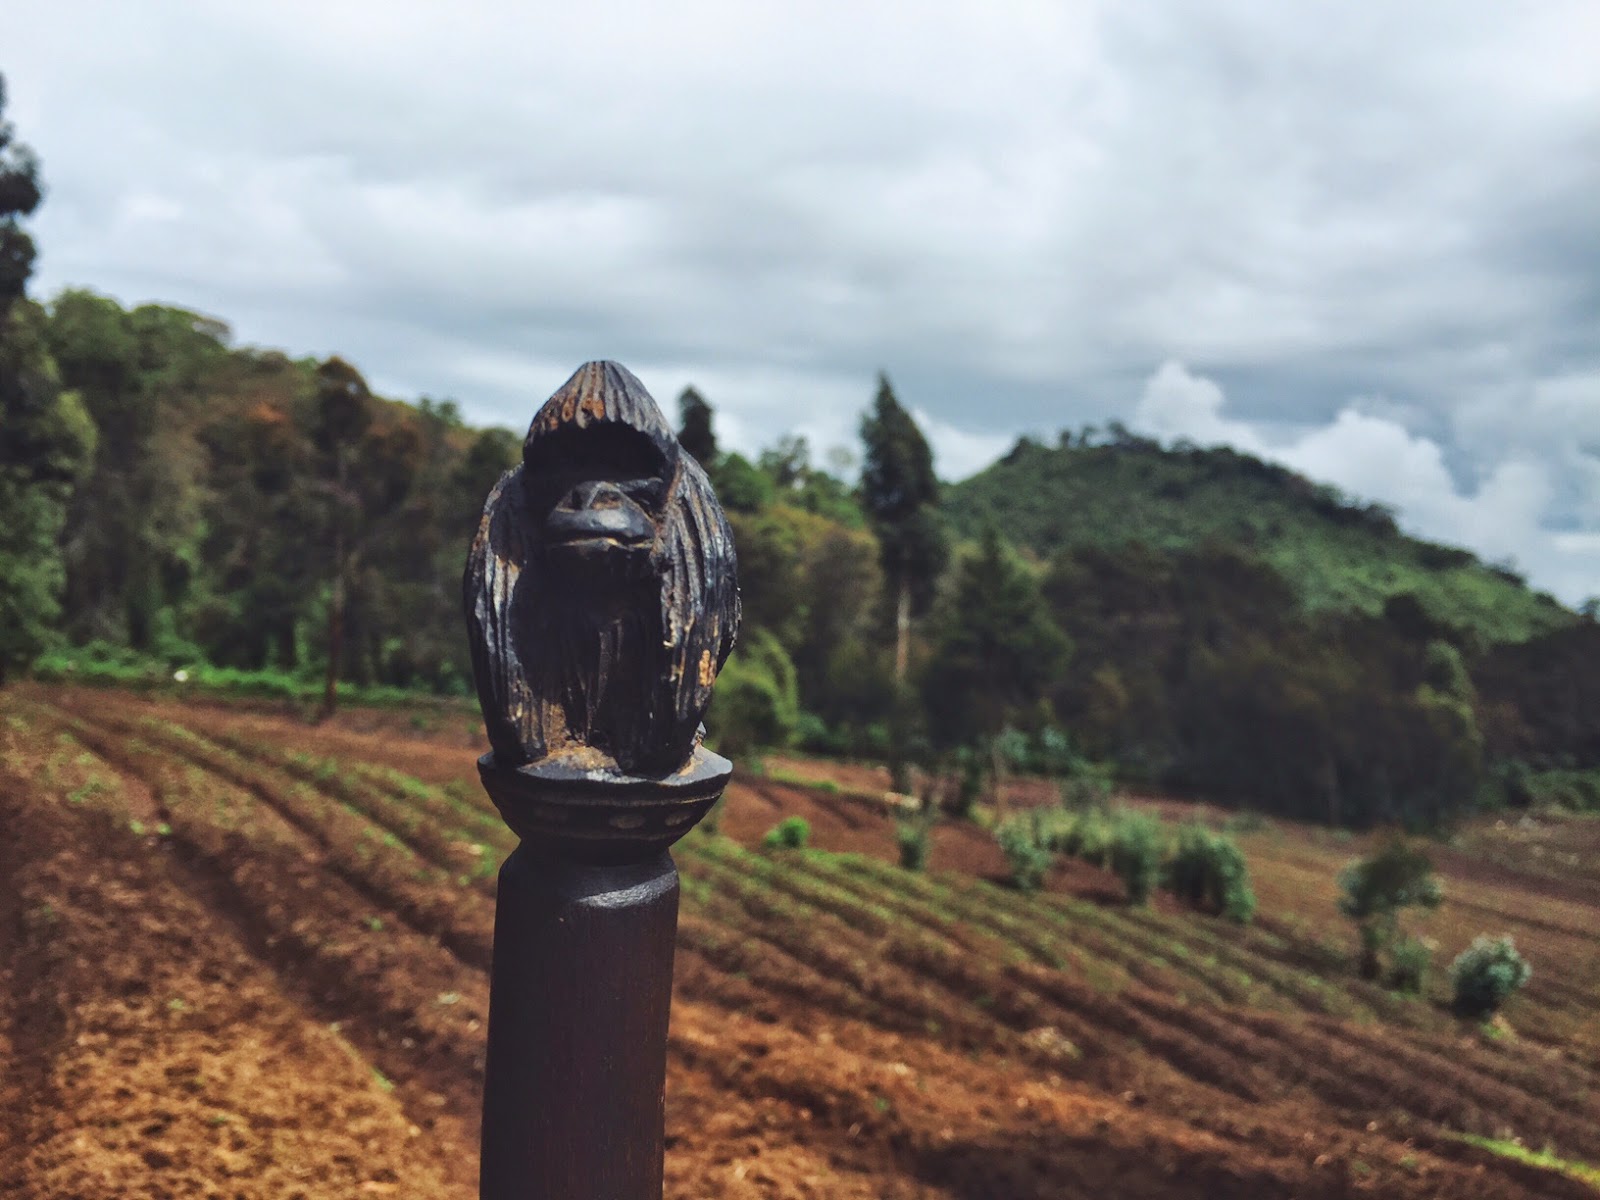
[1338, 554]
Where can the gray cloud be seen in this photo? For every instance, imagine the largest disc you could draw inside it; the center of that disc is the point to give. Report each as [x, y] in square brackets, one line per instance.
[1020, 210]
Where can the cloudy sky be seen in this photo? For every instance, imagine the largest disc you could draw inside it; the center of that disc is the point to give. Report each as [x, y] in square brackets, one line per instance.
[1358, 237]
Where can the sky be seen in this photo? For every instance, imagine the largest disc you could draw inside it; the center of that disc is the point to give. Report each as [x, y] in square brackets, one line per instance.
[1359, 238]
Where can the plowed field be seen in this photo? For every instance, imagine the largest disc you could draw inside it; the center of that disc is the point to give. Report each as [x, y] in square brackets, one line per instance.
[243, 957]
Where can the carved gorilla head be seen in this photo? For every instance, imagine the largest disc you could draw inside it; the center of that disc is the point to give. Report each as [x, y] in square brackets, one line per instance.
[601, 591]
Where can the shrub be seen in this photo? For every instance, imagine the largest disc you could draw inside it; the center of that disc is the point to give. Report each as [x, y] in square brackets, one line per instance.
[1088, 835]
[1485, 974]
[969, 783]
[1053, 754]
[1086, 790]
[756, 700]
[1136, 855]
[791, 833]
[1025, 856]
[1409, 960]
[1208, 870]
[912, 838]
[1376, 890]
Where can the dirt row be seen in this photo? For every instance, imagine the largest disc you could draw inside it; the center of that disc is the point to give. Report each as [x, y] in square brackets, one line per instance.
[832, 1034]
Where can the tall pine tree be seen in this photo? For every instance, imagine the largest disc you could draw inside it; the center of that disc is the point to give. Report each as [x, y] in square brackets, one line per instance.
[694, 428]
[900, 494]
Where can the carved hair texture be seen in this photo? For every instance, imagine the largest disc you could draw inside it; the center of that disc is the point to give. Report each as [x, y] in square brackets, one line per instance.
[601, 592]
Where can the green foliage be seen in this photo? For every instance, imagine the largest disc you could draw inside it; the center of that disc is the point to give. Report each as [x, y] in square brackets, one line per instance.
[1377, 889]
[1136, 852]
[1398, 876]
[1195, 670]
[1208, 870]
[1485, 975]
[756, 703]
[791, 833]
[1409, 960]
[1086, 834]
[1026, 858]
[1341, 556]
[1538, 699]
[695, 433]
[996, 648]
[20, 193]
[1087, 786]
[1571, 790]
[914, 837]
[741, 486]
[46, 436]
[899, 491]
[103, 664]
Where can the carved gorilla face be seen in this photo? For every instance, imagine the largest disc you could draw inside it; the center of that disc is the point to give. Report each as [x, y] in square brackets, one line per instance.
[601, 592]
[597, 495]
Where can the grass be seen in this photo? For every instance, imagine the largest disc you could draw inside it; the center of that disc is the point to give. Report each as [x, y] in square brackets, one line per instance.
[1546, 1159]
[100, 665]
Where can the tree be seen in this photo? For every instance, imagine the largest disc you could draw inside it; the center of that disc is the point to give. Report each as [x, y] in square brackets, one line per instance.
[788, 462]
[1377, 889]
[46, 437]
[132, 541]
[20, 194]
[46, 440]
[1485, 974]
[755, 705]
[996, 650]
[900, 493]
[694, 428]
[369, 469]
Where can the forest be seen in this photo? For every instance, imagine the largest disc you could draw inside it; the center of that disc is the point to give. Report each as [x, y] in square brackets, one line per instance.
[179, 510]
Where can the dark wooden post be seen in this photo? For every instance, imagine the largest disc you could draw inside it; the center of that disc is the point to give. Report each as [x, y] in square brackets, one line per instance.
[601, 600]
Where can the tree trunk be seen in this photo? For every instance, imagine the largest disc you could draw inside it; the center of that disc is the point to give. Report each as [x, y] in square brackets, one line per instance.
[330, 693]
[902, 632]
[997, 767]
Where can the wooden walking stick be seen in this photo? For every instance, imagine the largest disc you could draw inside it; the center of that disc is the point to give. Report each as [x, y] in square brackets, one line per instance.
[601, 600]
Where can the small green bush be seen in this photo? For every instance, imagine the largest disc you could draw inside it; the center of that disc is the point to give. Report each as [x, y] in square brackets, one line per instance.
[969, 783]
[1136, 855]
[1208, 870]
[912, 838]
[1027, 859]
[1089, 835]
[791, 833]
[1376, 890]
[1247, 821]
[756, 702]
[1409, 960]
[1485, 975]
[1086, 790]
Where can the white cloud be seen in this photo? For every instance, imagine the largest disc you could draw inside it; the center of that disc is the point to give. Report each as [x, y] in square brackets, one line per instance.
[1503, 515]
[1015, 206]
[959, 452]
[1178, 404]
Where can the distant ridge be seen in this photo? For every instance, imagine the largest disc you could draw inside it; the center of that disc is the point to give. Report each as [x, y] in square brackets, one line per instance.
[1337, 553]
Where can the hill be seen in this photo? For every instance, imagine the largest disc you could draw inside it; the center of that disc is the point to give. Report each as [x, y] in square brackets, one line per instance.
[1339, 554]
[243, 956]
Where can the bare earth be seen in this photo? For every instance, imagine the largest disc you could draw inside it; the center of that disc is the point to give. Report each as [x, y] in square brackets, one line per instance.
[243, 957]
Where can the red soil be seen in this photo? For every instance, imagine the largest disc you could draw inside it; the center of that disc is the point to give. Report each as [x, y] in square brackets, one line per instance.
[227, 971]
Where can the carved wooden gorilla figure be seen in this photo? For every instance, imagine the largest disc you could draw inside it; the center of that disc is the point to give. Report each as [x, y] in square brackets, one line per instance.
[601, 590]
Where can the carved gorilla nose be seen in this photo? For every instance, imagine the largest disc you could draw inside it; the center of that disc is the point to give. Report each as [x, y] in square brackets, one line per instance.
[595, 494]
[598, 511]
